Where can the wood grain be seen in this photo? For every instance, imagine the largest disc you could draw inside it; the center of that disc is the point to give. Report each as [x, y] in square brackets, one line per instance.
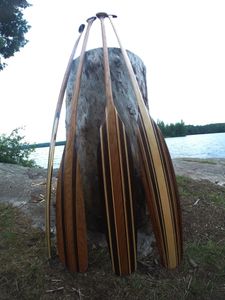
[70, 210]
[53, 141]
[159, 179]
[117, 181]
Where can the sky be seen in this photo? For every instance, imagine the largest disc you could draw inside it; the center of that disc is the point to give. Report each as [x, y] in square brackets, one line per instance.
[182, 44]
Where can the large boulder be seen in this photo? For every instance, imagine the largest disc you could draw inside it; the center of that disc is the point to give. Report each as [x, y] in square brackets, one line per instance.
[91, 108]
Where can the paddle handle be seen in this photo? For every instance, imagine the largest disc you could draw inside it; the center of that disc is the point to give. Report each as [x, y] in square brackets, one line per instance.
[105, 15]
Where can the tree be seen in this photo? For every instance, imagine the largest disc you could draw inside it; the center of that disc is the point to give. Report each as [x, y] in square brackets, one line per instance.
[13, 149]
[172, 130]
[12, 28]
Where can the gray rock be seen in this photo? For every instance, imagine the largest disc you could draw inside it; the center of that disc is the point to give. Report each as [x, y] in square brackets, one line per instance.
[91, 108]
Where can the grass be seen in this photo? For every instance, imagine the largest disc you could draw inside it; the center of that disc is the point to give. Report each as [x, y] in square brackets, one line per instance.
[22, 253]
[210, 255]
[208, 191]
[210, 261]
[26, 273]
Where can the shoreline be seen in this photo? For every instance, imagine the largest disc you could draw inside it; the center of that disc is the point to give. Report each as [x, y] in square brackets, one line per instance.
[212, 169]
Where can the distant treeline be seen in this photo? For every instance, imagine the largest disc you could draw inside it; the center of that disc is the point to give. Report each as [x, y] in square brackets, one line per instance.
[180, 129]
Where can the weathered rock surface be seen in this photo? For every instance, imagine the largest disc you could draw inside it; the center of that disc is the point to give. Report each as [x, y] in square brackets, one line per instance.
[207, 169]
[91, 109]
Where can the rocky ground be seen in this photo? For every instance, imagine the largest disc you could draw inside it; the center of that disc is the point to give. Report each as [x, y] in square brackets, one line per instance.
[25, 187]
[201, 169]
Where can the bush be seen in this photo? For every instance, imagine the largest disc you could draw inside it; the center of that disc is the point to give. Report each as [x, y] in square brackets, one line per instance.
[14, 151]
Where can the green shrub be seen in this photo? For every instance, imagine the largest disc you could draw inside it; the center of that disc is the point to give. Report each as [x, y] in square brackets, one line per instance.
[13, 149]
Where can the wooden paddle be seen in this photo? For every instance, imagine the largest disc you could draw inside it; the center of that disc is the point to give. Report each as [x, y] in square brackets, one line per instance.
[117, 179]
[70, 210]
[53, 141]
[159, 179]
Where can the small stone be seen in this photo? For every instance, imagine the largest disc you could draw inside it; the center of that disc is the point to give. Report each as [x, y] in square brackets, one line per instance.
[193, 263]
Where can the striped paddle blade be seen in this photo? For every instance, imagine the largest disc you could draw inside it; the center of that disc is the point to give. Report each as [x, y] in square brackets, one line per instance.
[53, 141]
[70, 211]
[117, 173]
[158, 175]
[161, 194]
[118, 194]
[70, 217]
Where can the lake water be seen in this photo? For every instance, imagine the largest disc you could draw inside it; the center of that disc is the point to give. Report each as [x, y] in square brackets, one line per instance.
[199, 146]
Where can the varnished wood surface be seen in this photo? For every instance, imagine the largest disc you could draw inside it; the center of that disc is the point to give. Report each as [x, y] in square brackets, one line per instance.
[117, 181]
[159, 179]
[162, 197]
[70, 210]
[119, 206]
[53, 141]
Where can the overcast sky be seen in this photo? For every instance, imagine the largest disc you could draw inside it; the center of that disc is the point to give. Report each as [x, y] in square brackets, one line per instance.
[182, 44]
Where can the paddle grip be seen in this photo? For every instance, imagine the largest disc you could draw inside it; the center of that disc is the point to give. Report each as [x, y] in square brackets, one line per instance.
[90, 19]
[104, 15]
[81, 28]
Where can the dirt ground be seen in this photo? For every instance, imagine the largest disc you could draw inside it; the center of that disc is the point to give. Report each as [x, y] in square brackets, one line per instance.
[27, 274]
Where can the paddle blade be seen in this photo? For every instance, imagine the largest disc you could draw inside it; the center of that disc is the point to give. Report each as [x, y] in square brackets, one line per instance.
[70, 216]
[161, 193]
[118, 195]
